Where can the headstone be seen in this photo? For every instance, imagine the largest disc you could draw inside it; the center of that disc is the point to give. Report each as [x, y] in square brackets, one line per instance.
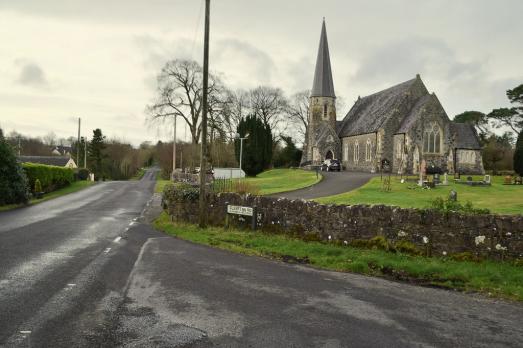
[487, 179]
[436, 179]
[469, 178]
[453, 195]
[445, 179]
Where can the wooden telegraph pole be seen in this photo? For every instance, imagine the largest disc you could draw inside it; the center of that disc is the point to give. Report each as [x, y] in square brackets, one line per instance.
[203, 152]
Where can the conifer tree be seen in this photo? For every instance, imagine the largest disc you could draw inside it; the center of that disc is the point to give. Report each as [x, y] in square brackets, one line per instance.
[518, 155]
[257, 148]
[96, 153]
[13, 181]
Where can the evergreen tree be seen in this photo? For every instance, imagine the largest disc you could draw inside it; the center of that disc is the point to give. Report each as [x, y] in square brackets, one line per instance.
[13, 181]
[96, 153]
[289, 156]
[518, 155]
[257, 148]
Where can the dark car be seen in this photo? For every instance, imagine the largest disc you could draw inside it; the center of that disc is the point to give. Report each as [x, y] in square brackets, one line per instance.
[330, 165]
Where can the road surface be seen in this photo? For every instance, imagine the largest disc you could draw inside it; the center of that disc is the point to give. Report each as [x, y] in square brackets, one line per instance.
[332, 183]
[87, 270]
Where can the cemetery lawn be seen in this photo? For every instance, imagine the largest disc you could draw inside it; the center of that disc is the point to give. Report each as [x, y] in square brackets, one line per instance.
[498, 198]
[74, 187]
[283, 180]
[500, 279]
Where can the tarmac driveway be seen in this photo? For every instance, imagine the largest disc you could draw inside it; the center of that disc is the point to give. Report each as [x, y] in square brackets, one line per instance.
[333, 183]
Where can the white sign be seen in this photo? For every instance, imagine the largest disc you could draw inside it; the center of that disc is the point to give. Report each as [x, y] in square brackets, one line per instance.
[238, 210]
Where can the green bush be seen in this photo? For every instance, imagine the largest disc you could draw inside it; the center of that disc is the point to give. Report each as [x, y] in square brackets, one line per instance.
[38, 186]
[181, 192]
[13, 181]
[51, 177]
[448, 205]
[82, 174]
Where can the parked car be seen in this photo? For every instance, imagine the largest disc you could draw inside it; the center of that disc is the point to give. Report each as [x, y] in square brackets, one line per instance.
[330, 165]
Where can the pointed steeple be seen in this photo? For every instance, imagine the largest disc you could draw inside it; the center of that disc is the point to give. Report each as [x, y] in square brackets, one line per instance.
[323, 85]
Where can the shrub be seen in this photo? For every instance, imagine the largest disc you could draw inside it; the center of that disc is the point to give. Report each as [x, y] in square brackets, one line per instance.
[181, 192]
[38, 186]
[235, 185]
[82, 174]
[448, 205]
[51, 177]
[13, 181]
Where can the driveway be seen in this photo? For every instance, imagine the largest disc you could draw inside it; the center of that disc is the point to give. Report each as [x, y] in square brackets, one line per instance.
[333, 183]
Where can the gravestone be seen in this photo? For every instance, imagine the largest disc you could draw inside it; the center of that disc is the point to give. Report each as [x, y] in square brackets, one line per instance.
[487, 179]
[453, 196]
[445, 179]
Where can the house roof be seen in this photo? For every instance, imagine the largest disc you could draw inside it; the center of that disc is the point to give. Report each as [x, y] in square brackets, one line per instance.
[323, 85]
[369, 113]
[465, 135]
[59, 161]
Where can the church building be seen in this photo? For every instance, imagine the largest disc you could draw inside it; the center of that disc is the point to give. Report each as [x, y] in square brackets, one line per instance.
[403, 124]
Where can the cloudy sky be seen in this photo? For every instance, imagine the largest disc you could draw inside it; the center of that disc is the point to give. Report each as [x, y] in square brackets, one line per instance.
[98, 59]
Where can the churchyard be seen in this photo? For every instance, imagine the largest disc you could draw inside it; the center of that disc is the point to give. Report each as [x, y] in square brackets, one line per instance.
[498, 198]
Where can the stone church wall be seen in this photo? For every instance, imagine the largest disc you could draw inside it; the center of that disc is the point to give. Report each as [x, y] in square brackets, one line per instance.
[431, 231]
[469, 162]
[364, 163]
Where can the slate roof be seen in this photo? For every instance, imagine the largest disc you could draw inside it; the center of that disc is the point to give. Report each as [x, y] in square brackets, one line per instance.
[323, 85]
[59, 161]
[465, 136]
[369, 113]
[414, 113]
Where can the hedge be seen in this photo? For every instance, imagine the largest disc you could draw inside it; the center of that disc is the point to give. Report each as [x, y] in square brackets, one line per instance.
[51, 177]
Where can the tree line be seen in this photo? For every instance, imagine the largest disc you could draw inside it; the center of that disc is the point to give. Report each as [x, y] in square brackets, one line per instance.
[500, 152]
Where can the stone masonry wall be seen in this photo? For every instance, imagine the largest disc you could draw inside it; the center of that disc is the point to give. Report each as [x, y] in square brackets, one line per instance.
[488, 235]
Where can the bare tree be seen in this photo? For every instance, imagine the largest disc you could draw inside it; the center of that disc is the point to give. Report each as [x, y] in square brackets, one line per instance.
[298, 114]
[179, 93]
[237, 106]
[269, 104]
[50, 139]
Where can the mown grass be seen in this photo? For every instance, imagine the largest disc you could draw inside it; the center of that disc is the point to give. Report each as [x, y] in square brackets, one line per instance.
[74, 187]
[492, 278]
[283, 180]
[498, 198]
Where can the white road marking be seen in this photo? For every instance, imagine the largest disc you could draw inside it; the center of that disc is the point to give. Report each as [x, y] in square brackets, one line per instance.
[107, 250]
[71, 285]
[117, 239]
[25, 332]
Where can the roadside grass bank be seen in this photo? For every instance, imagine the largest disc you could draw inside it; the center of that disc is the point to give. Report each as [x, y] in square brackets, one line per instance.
[499, 279]
[74, 187]
[283, 180]
[160, 184]
[498, 198]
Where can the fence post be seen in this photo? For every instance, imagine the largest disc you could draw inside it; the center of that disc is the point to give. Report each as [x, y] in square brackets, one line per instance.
[226, 215]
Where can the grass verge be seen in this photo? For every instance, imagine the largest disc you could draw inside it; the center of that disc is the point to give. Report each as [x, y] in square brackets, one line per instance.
[74, 187]
[492, 278]
[139, 174]
[283, 180]
[498, 198]
[160, 184]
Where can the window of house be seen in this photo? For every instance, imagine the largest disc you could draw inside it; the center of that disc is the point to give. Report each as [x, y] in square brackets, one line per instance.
[346, 152]
[368, 151]
[432, 139]
[356, 152]
[325, 109]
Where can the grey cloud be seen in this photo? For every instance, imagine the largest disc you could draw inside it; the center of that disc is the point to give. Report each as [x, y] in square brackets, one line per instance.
[31, 74]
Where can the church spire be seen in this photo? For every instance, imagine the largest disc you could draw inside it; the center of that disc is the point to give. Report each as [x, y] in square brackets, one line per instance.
[323, 85]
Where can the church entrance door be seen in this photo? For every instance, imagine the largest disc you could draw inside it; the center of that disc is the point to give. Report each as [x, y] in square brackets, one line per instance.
[329, 155]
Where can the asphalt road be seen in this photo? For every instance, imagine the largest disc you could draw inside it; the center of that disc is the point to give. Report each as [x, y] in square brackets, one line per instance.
[332, 183]
[87, 270]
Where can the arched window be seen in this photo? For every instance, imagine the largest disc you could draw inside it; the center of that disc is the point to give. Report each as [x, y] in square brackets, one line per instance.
[346, 152]
[356, 152]
[368, 151]
[432, 139]
[325, 110]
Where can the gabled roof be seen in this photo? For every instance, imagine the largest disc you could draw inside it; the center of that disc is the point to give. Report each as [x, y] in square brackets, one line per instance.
[465, 135]
[414, 114]
[59, 161]
[323, 85]
[369, 113]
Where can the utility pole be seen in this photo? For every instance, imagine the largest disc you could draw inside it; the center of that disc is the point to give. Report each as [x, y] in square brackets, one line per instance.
[19, 146]
[78, 144]
[203, 152]
[174, 149]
